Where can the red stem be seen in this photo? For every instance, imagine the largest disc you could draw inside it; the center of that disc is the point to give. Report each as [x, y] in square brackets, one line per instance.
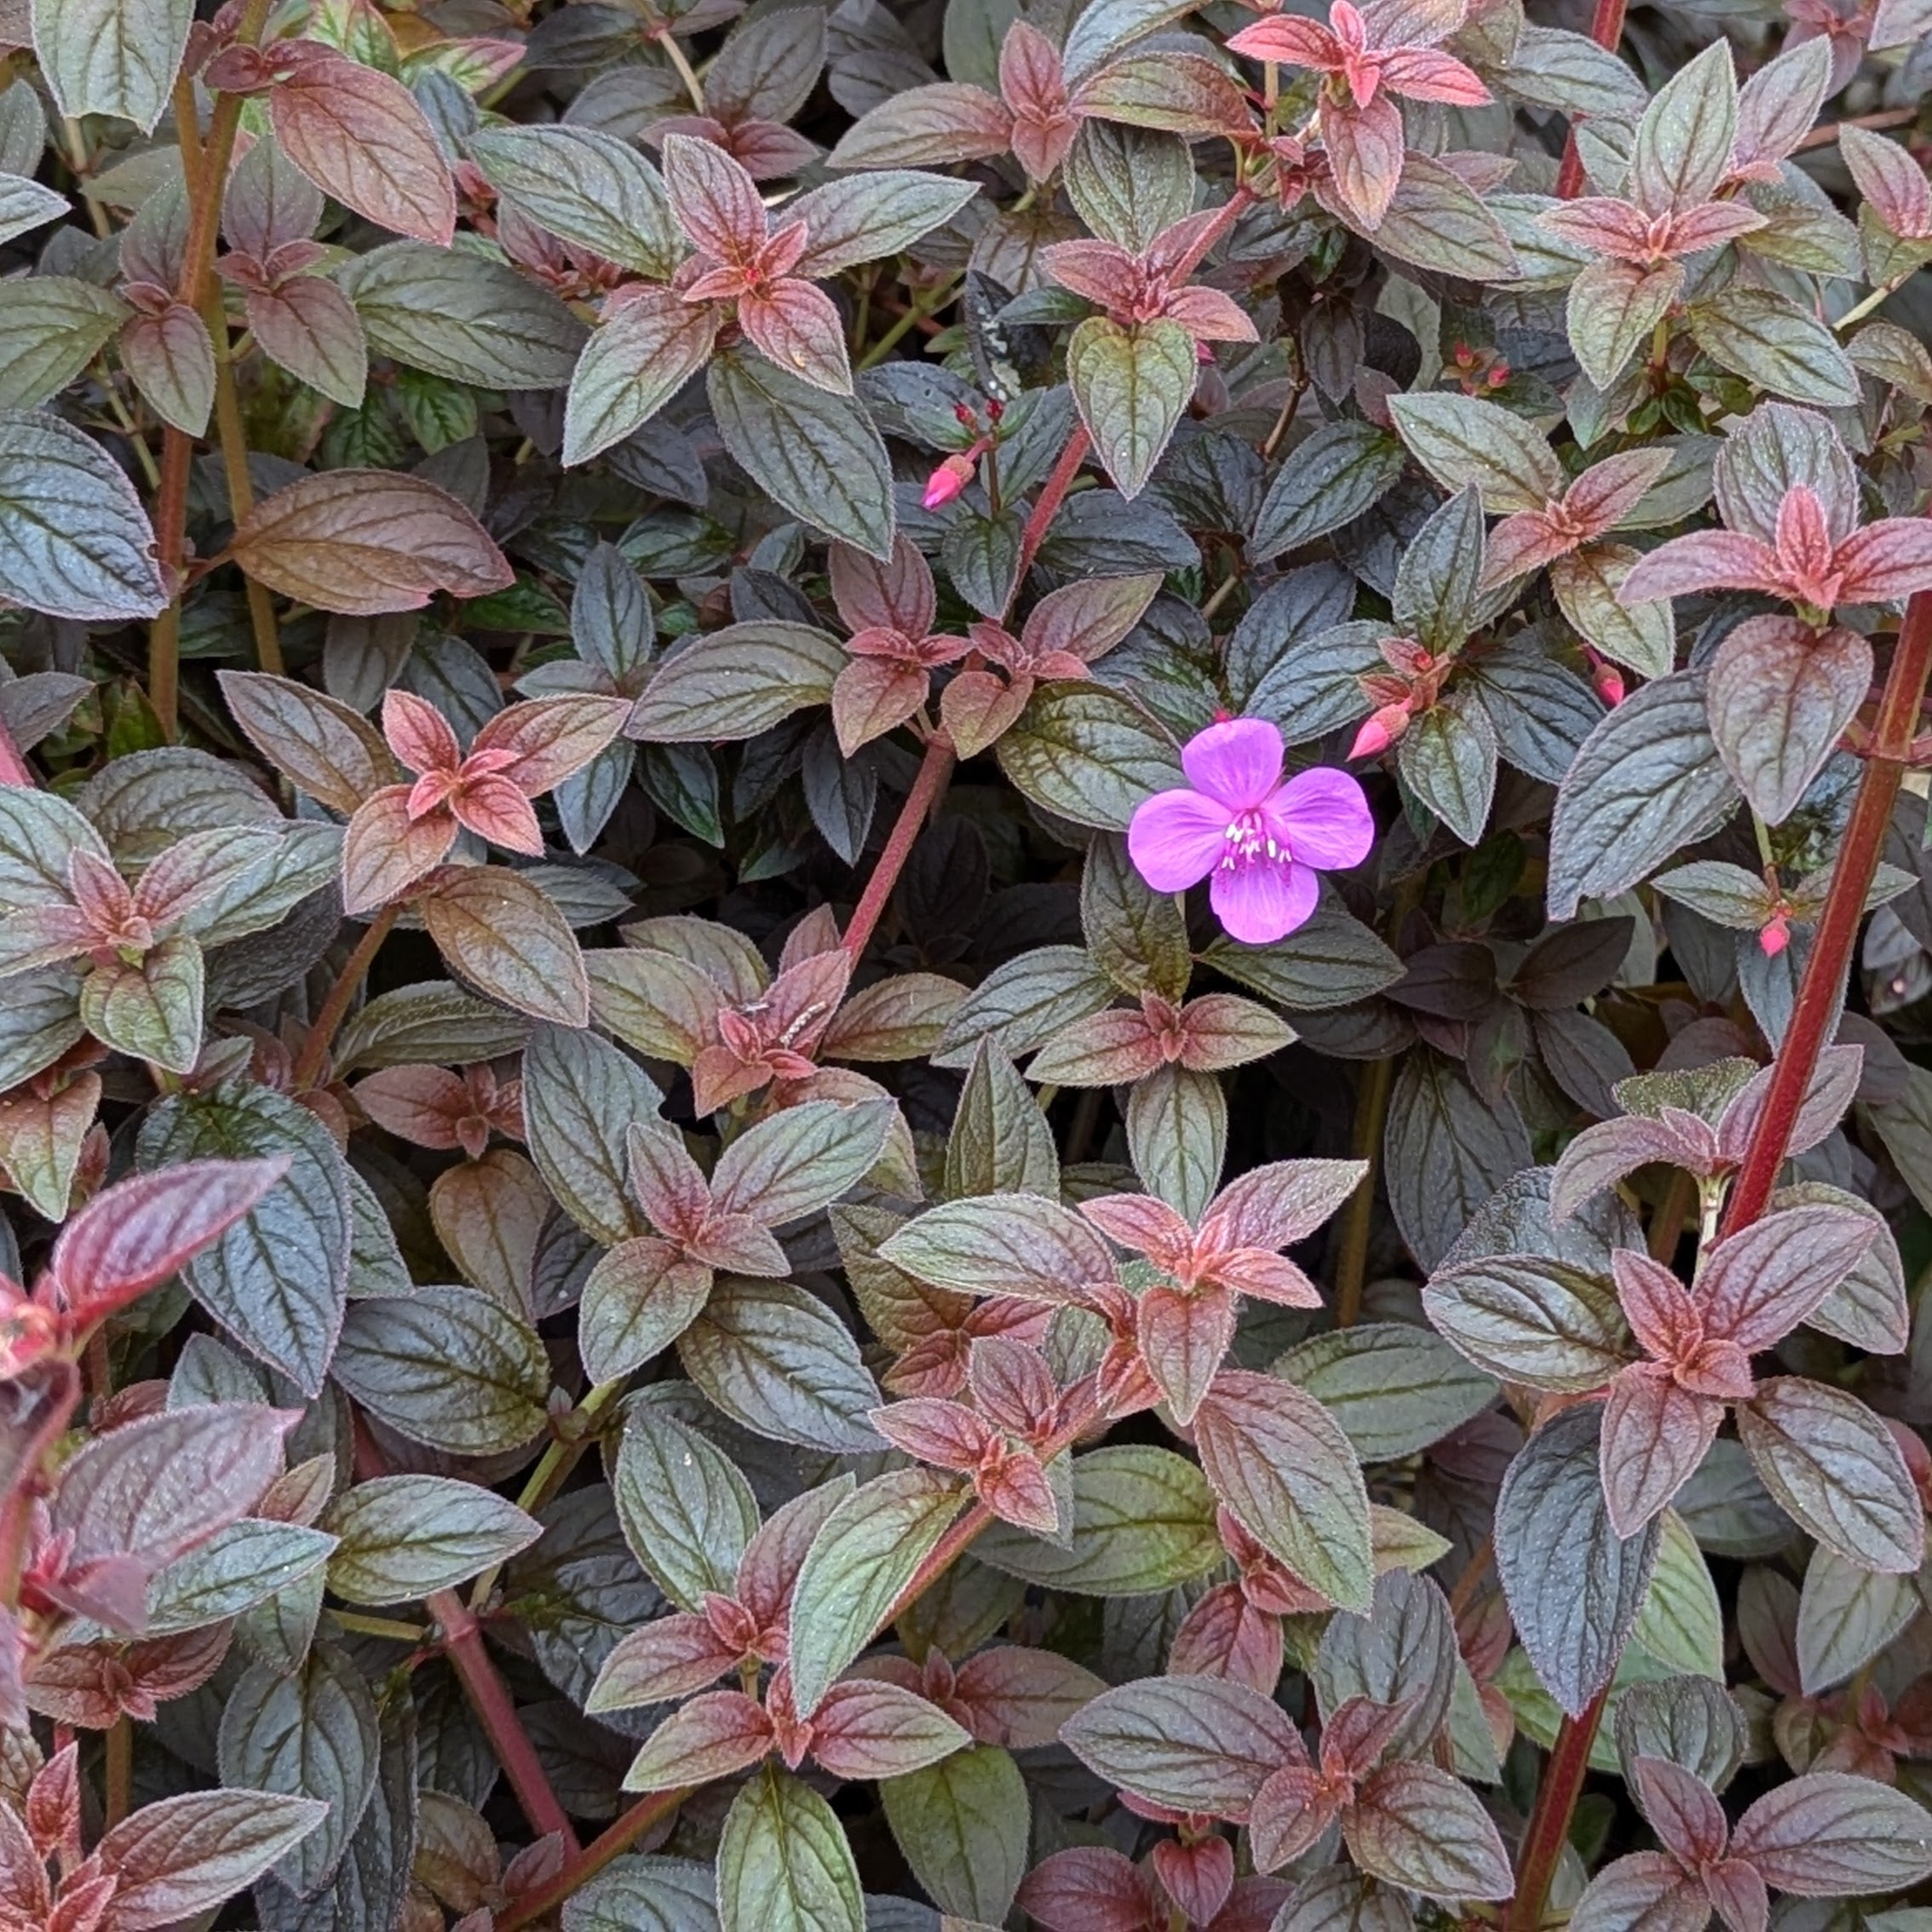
[1750, 1193]
[489, 1696]
[937, 765]
[1541, 1848]
[898, 848]
[1844, 909]
[1606, 30]
[612, 1842]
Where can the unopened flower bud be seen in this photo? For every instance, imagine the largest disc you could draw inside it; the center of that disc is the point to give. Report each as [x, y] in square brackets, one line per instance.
[1606, 681]
[947, 481]
[1775, 936]
[964, 416]
[1380, 731]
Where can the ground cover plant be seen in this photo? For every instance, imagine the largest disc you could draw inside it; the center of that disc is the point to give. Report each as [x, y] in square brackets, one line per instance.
[964, 966]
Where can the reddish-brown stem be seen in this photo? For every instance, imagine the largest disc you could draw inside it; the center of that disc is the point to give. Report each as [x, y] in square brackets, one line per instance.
[1844, 909]
[211, 173]
[1549, 1830]
[1052, 495]
[1826, 136]
[932, 773]
[937, 765]
[1791, 1079]
[1606, 30]
[323, 1028]
[489, 1697]
[610, 1843]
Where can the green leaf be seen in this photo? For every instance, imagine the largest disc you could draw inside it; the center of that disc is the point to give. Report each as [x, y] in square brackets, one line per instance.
[313, 1734]
[779, 1361]
[579, 1096]
[1394, 1388]
[1642, 637]
[1681, 1622]
[55, 326]
[1447, 757]
[783, 1865]
[963, 1826]
[865, 217]
[1648, 780]
[1438, 221]
[585, 187]
[151, 1009]
[1282, 1465]
[238, 1568]
[646, 1895]
[1531, 1318]
[1131, 385]
[117, 57]
[864, 1554]
[1143, 1521]
[1128, 184]
[401, 1538]
[74, 540]
[1000, 1143]
[1328, 479]
[635, 364]
[1088, 754]
[447, 1367]
[1684, 140]
[508, 937]
[737, 682]
[1574, 1586]
[1833, 1466]
[1461, 440]
[463, 316]
[818, 455]
[1177, 1136]
[686, 1512]
[1772, 343]
[1613, 306]
[277, 1280]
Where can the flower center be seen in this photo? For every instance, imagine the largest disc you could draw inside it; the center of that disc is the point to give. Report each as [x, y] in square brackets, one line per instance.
[1250, 840]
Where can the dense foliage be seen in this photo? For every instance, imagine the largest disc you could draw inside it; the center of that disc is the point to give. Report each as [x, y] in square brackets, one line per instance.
[963, 966]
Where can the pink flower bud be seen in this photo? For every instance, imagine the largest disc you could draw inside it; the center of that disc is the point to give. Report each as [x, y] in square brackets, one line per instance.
[947, 480]
[1381, 729]
[1606, 681]
[1775, 936]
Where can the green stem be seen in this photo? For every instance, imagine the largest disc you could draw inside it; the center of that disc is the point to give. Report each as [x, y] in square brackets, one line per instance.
[916, 314]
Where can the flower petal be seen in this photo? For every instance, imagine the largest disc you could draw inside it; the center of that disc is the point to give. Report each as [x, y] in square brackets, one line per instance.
[1236, 763]
[1175, 838]
[1325, 817]
[1260, 903]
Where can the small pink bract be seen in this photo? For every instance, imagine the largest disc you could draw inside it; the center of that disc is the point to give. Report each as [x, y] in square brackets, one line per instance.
[1262, 841]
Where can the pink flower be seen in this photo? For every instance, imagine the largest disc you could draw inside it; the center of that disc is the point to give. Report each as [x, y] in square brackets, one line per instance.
[1263, 841]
